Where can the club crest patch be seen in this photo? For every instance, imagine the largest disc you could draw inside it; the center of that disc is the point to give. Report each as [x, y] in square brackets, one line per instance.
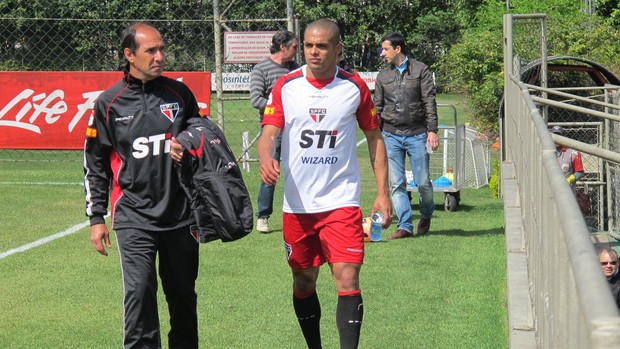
[317, 114]
[170, 110]
[193, 230]
[289, 250]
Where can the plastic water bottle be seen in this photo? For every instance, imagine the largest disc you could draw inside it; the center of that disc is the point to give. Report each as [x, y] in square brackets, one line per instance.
[429, 148]
[376, 226]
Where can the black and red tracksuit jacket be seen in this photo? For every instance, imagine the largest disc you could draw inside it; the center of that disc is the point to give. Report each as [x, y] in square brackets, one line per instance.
[126, 154]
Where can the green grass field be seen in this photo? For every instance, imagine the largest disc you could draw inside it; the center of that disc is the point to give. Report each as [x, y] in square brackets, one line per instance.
[444, 290]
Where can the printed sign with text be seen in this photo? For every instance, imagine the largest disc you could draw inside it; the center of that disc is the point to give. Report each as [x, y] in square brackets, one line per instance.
[247, 47]
[50, 110]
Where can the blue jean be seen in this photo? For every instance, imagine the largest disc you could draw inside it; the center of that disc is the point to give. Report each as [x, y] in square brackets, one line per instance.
[265, 192]
[413, 146]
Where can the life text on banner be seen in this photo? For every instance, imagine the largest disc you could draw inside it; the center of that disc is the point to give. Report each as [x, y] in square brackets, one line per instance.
[50, 110]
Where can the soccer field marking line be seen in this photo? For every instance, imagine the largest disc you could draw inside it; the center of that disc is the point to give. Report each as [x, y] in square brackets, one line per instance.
[69, 231]
[42, 183]
[45, 240]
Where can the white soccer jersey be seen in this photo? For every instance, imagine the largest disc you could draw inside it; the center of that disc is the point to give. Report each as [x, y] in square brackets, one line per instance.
[319, 122]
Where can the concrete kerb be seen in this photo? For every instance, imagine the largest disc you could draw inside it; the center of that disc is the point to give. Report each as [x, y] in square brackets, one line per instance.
[521, 333]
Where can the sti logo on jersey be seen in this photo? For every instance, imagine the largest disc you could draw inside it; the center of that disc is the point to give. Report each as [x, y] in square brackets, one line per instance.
[318, 138]
[153, 145]
[317, 114]
[170, 110]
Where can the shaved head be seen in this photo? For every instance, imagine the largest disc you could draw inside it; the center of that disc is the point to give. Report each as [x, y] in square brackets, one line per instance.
[326, 24]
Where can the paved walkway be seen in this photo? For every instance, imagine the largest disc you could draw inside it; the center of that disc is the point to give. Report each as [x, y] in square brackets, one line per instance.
[520, 329]
[521, 334]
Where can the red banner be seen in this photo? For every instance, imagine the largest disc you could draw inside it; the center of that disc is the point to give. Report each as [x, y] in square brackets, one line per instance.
[50, 110]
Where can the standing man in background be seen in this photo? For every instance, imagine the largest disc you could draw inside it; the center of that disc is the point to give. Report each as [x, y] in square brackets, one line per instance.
[128, 158]
[264, 76]
[405, 101]
[317, 110]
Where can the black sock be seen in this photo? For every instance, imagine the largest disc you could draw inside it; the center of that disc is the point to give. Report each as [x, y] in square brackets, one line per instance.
[308, 311]
[349, 314]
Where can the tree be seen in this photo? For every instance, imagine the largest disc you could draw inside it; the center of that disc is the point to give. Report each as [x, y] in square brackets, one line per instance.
[609, 9]
[84, 34]
[474, 66]
[430, 27]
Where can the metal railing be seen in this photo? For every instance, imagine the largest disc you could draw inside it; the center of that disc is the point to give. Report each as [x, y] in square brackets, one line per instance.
[571, 303]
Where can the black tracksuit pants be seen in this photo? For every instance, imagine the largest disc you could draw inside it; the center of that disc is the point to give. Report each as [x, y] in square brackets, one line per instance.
[178, 270]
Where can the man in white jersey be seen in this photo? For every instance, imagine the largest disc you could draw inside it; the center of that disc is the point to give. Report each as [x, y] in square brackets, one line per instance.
[317, 109]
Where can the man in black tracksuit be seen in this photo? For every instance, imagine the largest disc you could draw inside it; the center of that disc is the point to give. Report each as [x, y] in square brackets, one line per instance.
[128, 157]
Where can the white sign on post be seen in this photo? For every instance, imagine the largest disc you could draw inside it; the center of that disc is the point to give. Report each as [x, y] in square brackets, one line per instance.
[246, 47]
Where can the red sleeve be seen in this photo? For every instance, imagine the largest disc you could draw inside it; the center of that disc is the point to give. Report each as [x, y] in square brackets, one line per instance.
[577, 163]
[366, 112]
[274, 112]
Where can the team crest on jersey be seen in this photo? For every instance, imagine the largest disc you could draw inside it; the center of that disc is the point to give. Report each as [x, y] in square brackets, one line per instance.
[170, 110]
[317, 114]
[193, 230]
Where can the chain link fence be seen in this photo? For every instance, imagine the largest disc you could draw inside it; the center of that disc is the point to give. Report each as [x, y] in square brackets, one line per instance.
[613, 169]
[549, 234]
[579, 77]
[477, 159]
[194, 43]
[84, 44]
[592, 190]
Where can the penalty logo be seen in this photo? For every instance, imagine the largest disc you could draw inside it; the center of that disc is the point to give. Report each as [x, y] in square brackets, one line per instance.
[170, 110]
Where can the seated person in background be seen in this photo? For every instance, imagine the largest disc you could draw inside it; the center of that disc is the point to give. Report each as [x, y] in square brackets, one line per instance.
[609, 263]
